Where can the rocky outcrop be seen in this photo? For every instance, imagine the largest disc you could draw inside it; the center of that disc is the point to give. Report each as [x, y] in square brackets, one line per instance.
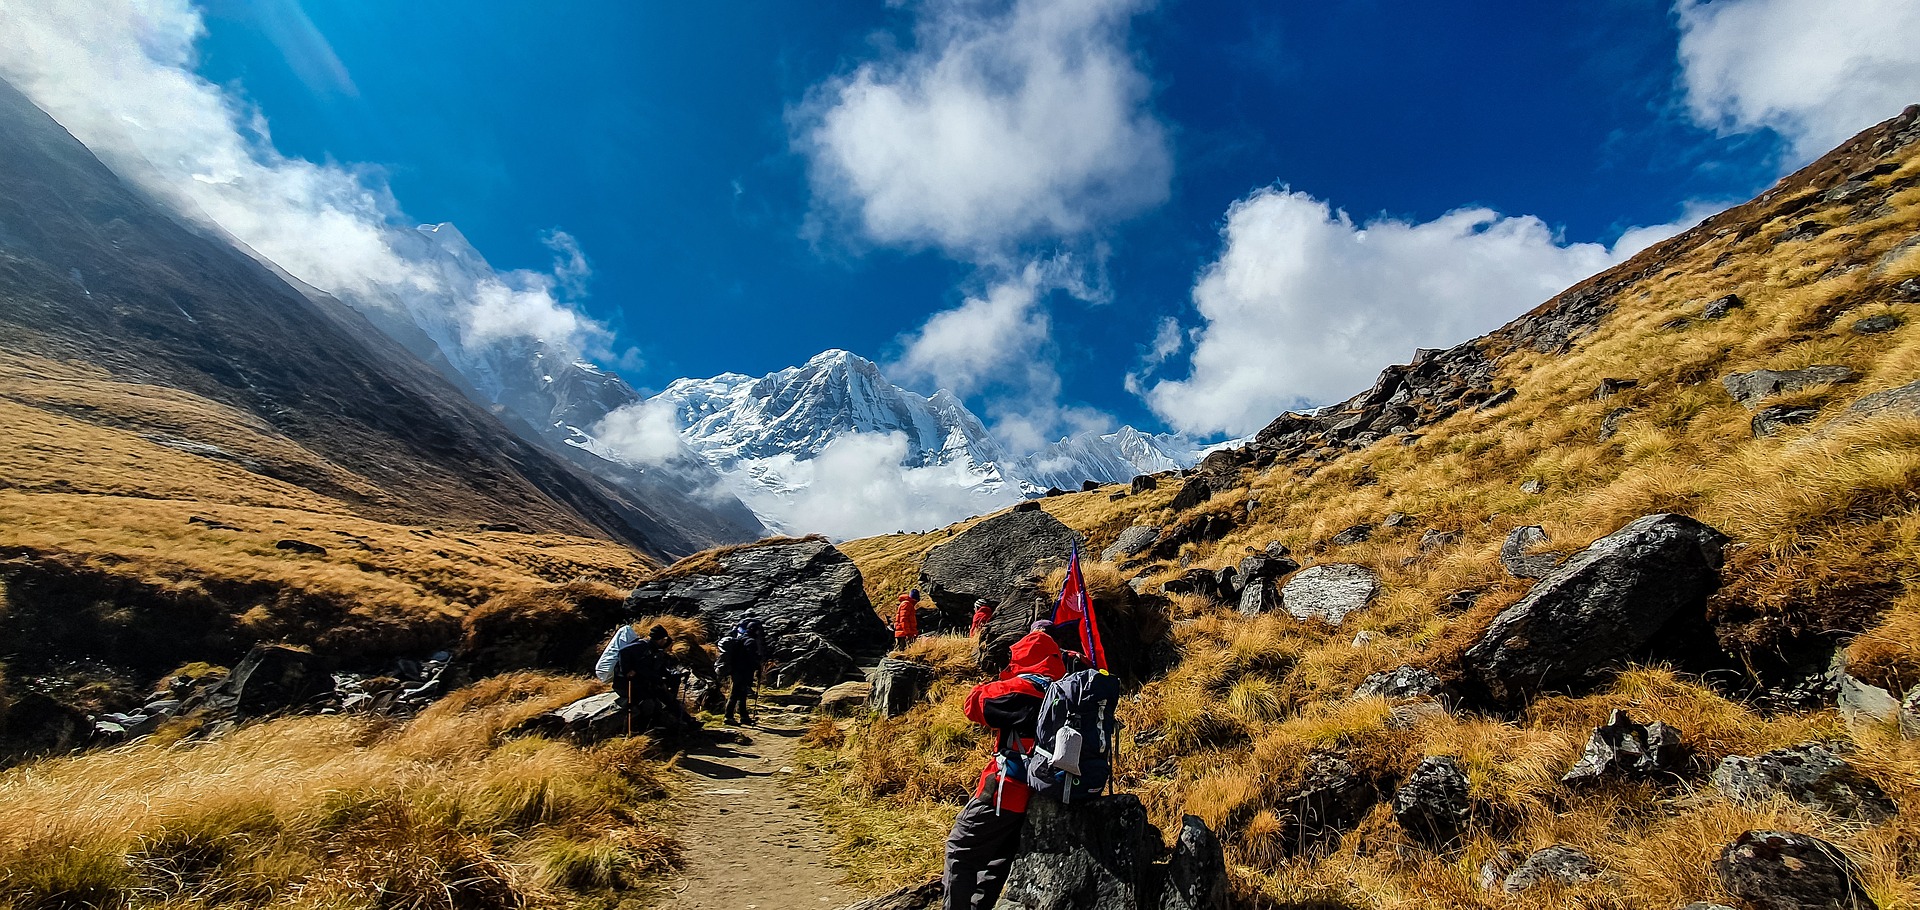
[1625, 750]
[897, 685]
[1329, 592]
[1434, 804]
[271, 679]
[1809, 774]
[1131, 542]
[1752, 388]
[804, 590]
[1783, 870]
[996, 559]
[845, 699]
[1517, 557]
[1105, 855]
[1642, 585]
[1331, 799]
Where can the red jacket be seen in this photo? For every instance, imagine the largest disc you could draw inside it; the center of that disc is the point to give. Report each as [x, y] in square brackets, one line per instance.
[906, 617]
[1011, 706]
[982, 615]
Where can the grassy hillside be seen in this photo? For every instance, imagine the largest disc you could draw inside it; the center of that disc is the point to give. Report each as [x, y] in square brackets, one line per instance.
[1825, 520]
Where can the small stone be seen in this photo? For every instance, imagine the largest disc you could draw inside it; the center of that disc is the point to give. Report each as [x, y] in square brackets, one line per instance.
[1403, 683]
[1533, 486]
[1357, 534]
[1770, 420]
[1363, 639]
[1610, 387]
[1910, 714]
[1719, 308]
[1810, 774]
[1519, 562]
[1558, 864]
[1751, 388]
[1610, 424]
[299, 546]
[1874, 325]
[1624, 749]
[1434, 539]
[1394, 520]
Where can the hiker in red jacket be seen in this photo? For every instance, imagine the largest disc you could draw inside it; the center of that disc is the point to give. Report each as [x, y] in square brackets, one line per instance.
[987, 832]
[906, 620]
[982, 614]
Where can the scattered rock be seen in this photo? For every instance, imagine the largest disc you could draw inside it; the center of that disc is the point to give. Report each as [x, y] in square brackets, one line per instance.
[1782, 870]
[1533, 486]
[1676, 324]
[897, 686]
[1770, 420]
[1903, 400]
[1329, 592]
[1097, 854]
[1557, 865]
[1610, 424]
[1718, 309]
[1031, 505]
[1145, 482]
[503, 527]
[1363, 638]
[1088, 486]
[211, 524]
[1624, 749]
[1357, 534]
[1435, 539]
[1910, 714]
[1808, 773]
[1643, 585]
[1402, 684]
[796, 587]
[1434, 804]
[270, 679]
[590, 719]
[1610, 387]
[299, 546]
[1394, 520]
[1751, 389]
[1499, 398]
[1131, 542]
[1496, 868]
[1802, 231]
[1861, 702]
[1332, 798]
[1193, 529]
[1277, 550]
[1519, 562]
[1117, 495]
[1876, 324]
[924, 896]
[845, 699]
[1196, 873]
[1194, 492]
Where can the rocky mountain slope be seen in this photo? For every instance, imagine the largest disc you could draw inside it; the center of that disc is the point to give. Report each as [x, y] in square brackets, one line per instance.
[1613, 607]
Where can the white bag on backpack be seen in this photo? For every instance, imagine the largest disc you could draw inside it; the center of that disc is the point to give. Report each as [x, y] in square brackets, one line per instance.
[1066, 750]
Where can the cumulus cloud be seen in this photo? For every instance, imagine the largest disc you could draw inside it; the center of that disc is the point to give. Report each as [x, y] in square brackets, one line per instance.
[1003, 123]
[119, 75]
[1304, 306]
[858, 487]
[1816, 73]
[642, 433]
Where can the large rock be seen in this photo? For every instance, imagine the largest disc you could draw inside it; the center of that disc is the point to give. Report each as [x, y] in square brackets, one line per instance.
[1751, 389]
[845, 699]
[1517, 557]
[796, 587]
[897, 686]
[1196, 873]
[590, 719]
[1329, 592]
[271, 679]
[1808, 773]
[1900, 400]
[1331, 799]
[1099, 854]
[1783, 870]
[1626, 750]
[1434, 804]
[1192, 493]
[808, 658]
[1131, 542]
[996, 559]
[1644, 584]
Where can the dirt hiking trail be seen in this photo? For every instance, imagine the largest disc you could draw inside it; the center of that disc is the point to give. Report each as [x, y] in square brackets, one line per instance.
[749, 842]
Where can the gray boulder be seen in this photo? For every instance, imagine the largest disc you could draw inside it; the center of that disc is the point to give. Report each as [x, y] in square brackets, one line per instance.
[590, 719]
[996, 559]
[1558, 865]
[1359, 533]
[1097, 854]
[1131, 542]
[1752, 388]
[1646, 583]
[1196, 873]
[1329, 592]
[271, 679]
[1624, 749]
[897, 686]
[1808, 773]
[1861, 702]
[1876, 324]
[1404, 684]
[1332, 798]
[1434, 804]
[1901, 400]
[1143, 483]
[1718, 309]
[845, 699]
[1783, 870]
[796, 587]
[1516, 557]
[809, 658]
[1773, 418]
[1192, 493]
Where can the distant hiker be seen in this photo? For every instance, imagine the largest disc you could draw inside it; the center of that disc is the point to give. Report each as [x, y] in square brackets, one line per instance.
[982, 615]
[906, 620]
[741, 657]
[987, 833]
[646, 677]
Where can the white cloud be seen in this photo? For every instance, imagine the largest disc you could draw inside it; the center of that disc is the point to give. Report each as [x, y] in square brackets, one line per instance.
[1815, 72]
[1026, 121]
[988, 336]
[119, 75]
[642, 433]
[1305, 307]
[857, 487]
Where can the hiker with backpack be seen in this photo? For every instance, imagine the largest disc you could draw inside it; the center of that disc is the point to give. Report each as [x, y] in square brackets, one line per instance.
[906, 620]
[646, 676]
[987, 833]
[982, 616]
[742, 654]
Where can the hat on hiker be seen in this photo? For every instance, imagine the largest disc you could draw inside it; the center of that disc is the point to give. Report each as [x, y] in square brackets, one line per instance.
[658, 632]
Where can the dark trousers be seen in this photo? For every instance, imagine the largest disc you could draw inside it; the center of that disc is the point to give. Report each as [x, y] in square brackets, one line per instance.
[979, 851]
[737, 698]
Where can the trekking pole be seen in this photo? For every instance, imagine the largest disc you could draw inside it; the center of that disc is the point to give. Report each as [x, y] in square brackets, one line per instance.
[629, 706]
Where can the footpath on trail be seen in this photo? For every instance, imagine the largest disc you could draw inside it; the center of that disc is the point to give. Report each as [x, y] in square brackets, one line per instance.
[749, 842]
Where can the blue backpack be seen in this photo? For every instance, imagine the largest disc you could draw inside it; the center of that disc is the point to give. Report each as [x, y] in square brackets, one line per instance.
[1074, 739]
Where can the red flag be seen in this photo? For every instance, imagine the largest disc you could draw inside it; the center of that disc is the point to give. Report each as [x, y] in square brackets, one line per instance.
[1076, 607]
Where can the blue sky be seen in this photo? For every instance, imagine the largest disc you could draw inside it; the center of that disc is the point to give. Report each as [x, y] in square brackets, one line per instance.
[1210, 210]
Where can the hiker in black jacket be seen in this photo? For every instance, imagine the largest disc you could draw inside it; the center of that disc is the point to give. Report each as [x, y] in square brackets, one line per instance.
[742, 654]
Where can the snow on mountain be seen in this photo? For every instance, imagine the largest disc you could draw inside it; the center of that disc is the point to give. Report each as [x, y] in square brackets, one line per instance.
[1106, 458]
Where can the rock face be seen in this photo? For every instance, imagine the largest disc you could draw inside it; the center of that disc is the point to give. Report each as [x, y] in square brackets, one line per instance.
[994, 559]
[1752, 388]
[1132, 542]
[1434, 805]
[1782, 870]
[1624, 749]
[897, 686]
[1558, 864]
[1519, 562]
[1808, 773]
[1646, 583]
[798, 588]
[272, 678]
[1329, 592]
[1105, 855]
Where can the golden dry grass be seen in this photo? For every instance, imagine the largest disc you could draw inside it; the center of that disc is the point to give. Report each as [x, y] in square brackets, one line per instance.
[438, 811]
[1826, 527]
